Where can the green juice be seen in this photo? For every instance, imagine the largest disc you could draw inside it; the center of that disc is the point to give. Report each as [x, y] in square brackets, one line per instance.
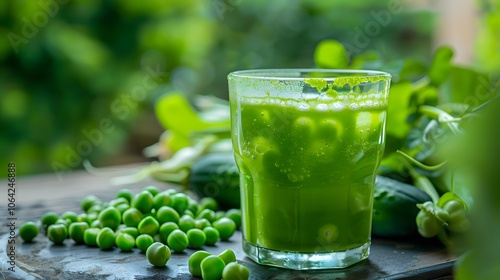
[307, 171]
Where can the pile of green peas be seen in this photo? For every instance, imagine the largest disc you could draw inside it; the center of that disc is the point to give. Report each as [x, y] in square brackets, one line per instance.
[154, 221]
[210, 267]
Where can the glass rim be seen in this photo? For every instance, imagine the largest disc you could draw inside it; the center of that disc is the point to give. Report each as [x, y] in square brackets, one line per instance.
[272, 74]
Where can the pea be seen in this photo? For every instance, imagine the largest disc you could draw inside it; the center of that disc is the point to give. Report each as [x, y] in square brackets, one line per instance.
[152, 189]
[90, 236]
[226, 227]
[209, 203]
[428, 225]
[28, 231]
[48, 219]
[458, 221]
[235, 271]
[125, 241]
[77, 230]
[186, 223]
[96, 224]
[177, 240]
[143, 201]
[92, 217]
[235, 215]
[207, 214]
[65, 222]
[195, 260]
[129, 230]
[83, 218]
[219, 215]
[158, 254]
[211, 268]
[57, 233]
[228, 256]
[161, 199]
[132, 217]
[110, 217]
[196, 238]
[189, 213]
[96, 208]
[118, 201]
[212, 235]
[106, 238]
[202, 223]
[122, 208]
[70, 215]
[179, 202]
[166, 229]
[193, 206]
[143, 242]
[149, 225]
[167, 214]
[125, 193]
[89, 201]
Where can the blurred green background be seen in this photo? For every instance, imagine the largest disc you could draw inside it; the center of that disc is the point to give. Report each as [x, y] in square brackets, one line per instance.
[79, 78]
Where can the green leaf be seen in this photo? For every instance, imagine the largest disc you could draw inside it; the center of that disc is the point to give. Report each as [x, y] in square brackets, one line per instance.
[176, 115]
[399, 109]
[441, 65]
[330, 54]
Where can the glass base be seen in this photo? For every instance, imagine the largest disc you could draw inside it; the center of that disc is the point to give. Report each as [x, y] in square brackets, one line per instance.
[306, 261]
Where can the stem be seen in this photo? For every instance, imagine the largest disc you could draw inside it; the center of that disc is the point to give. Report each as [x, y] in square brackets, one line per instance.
[442, 116]
[422, 182]
[421, 165]
[443, 237]
[420, 84]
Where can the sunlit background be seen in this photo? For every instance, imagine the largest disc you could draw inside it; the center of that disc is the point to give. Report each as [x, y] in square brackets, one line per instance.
[79, 78]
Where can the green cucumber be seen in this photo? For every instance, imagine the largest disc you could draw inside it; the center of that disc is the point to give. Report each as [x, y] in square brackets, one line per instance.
[394, 207]
[216, 175]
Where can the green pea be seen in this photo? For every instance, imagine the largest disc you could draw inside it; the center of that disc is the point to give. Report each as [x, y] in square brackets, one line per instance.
[158, 254]
[28, 231]
[125, 241]
[129, 230]
[48, 219]
[202, 223]
[96, 224]
[177, 240]
[211, 268]
[83, 217]
[219, 215]
[92, 217]
[96, 208]
[428, 225]
[122, 208]
[228, 256]
[458, 221]
[89, 201]
[226, 227]
[235, 271]
[179, 202]
[110, 217]
[209, 203]
[193, 206]
[106, 238]
[161, 199]
[90, 236]
[167, 214]
[118, 201]
[132, 217]
[77, 230]
[166, 229]
[125, 193]
[186, 223]
[143, 242]
[70, 215]
[57, 233]
[207, 214]
[149, 225]
[152, 189]
[143, 201]
[196, 238]
[195, 260]
[212, 235]
[235, 215]
[65, 222]
[189, 213]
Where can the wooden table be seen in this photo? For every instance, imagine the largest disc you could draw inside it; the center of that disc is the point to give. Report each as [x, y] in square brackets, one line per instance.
[35, 195]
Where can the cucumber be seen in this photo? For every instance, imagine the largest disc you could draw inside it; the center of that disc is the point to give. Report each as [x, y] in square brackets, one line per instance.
[394, 207]
[216, 175]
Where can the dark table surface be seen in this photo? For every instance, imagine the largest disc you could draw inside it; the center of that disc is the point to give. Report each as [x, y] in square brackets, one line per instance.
[35, 195]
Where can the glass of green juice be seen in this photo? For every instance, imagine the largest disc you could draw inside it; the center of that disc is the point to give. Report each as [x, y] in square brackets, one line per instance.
[307, 143]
